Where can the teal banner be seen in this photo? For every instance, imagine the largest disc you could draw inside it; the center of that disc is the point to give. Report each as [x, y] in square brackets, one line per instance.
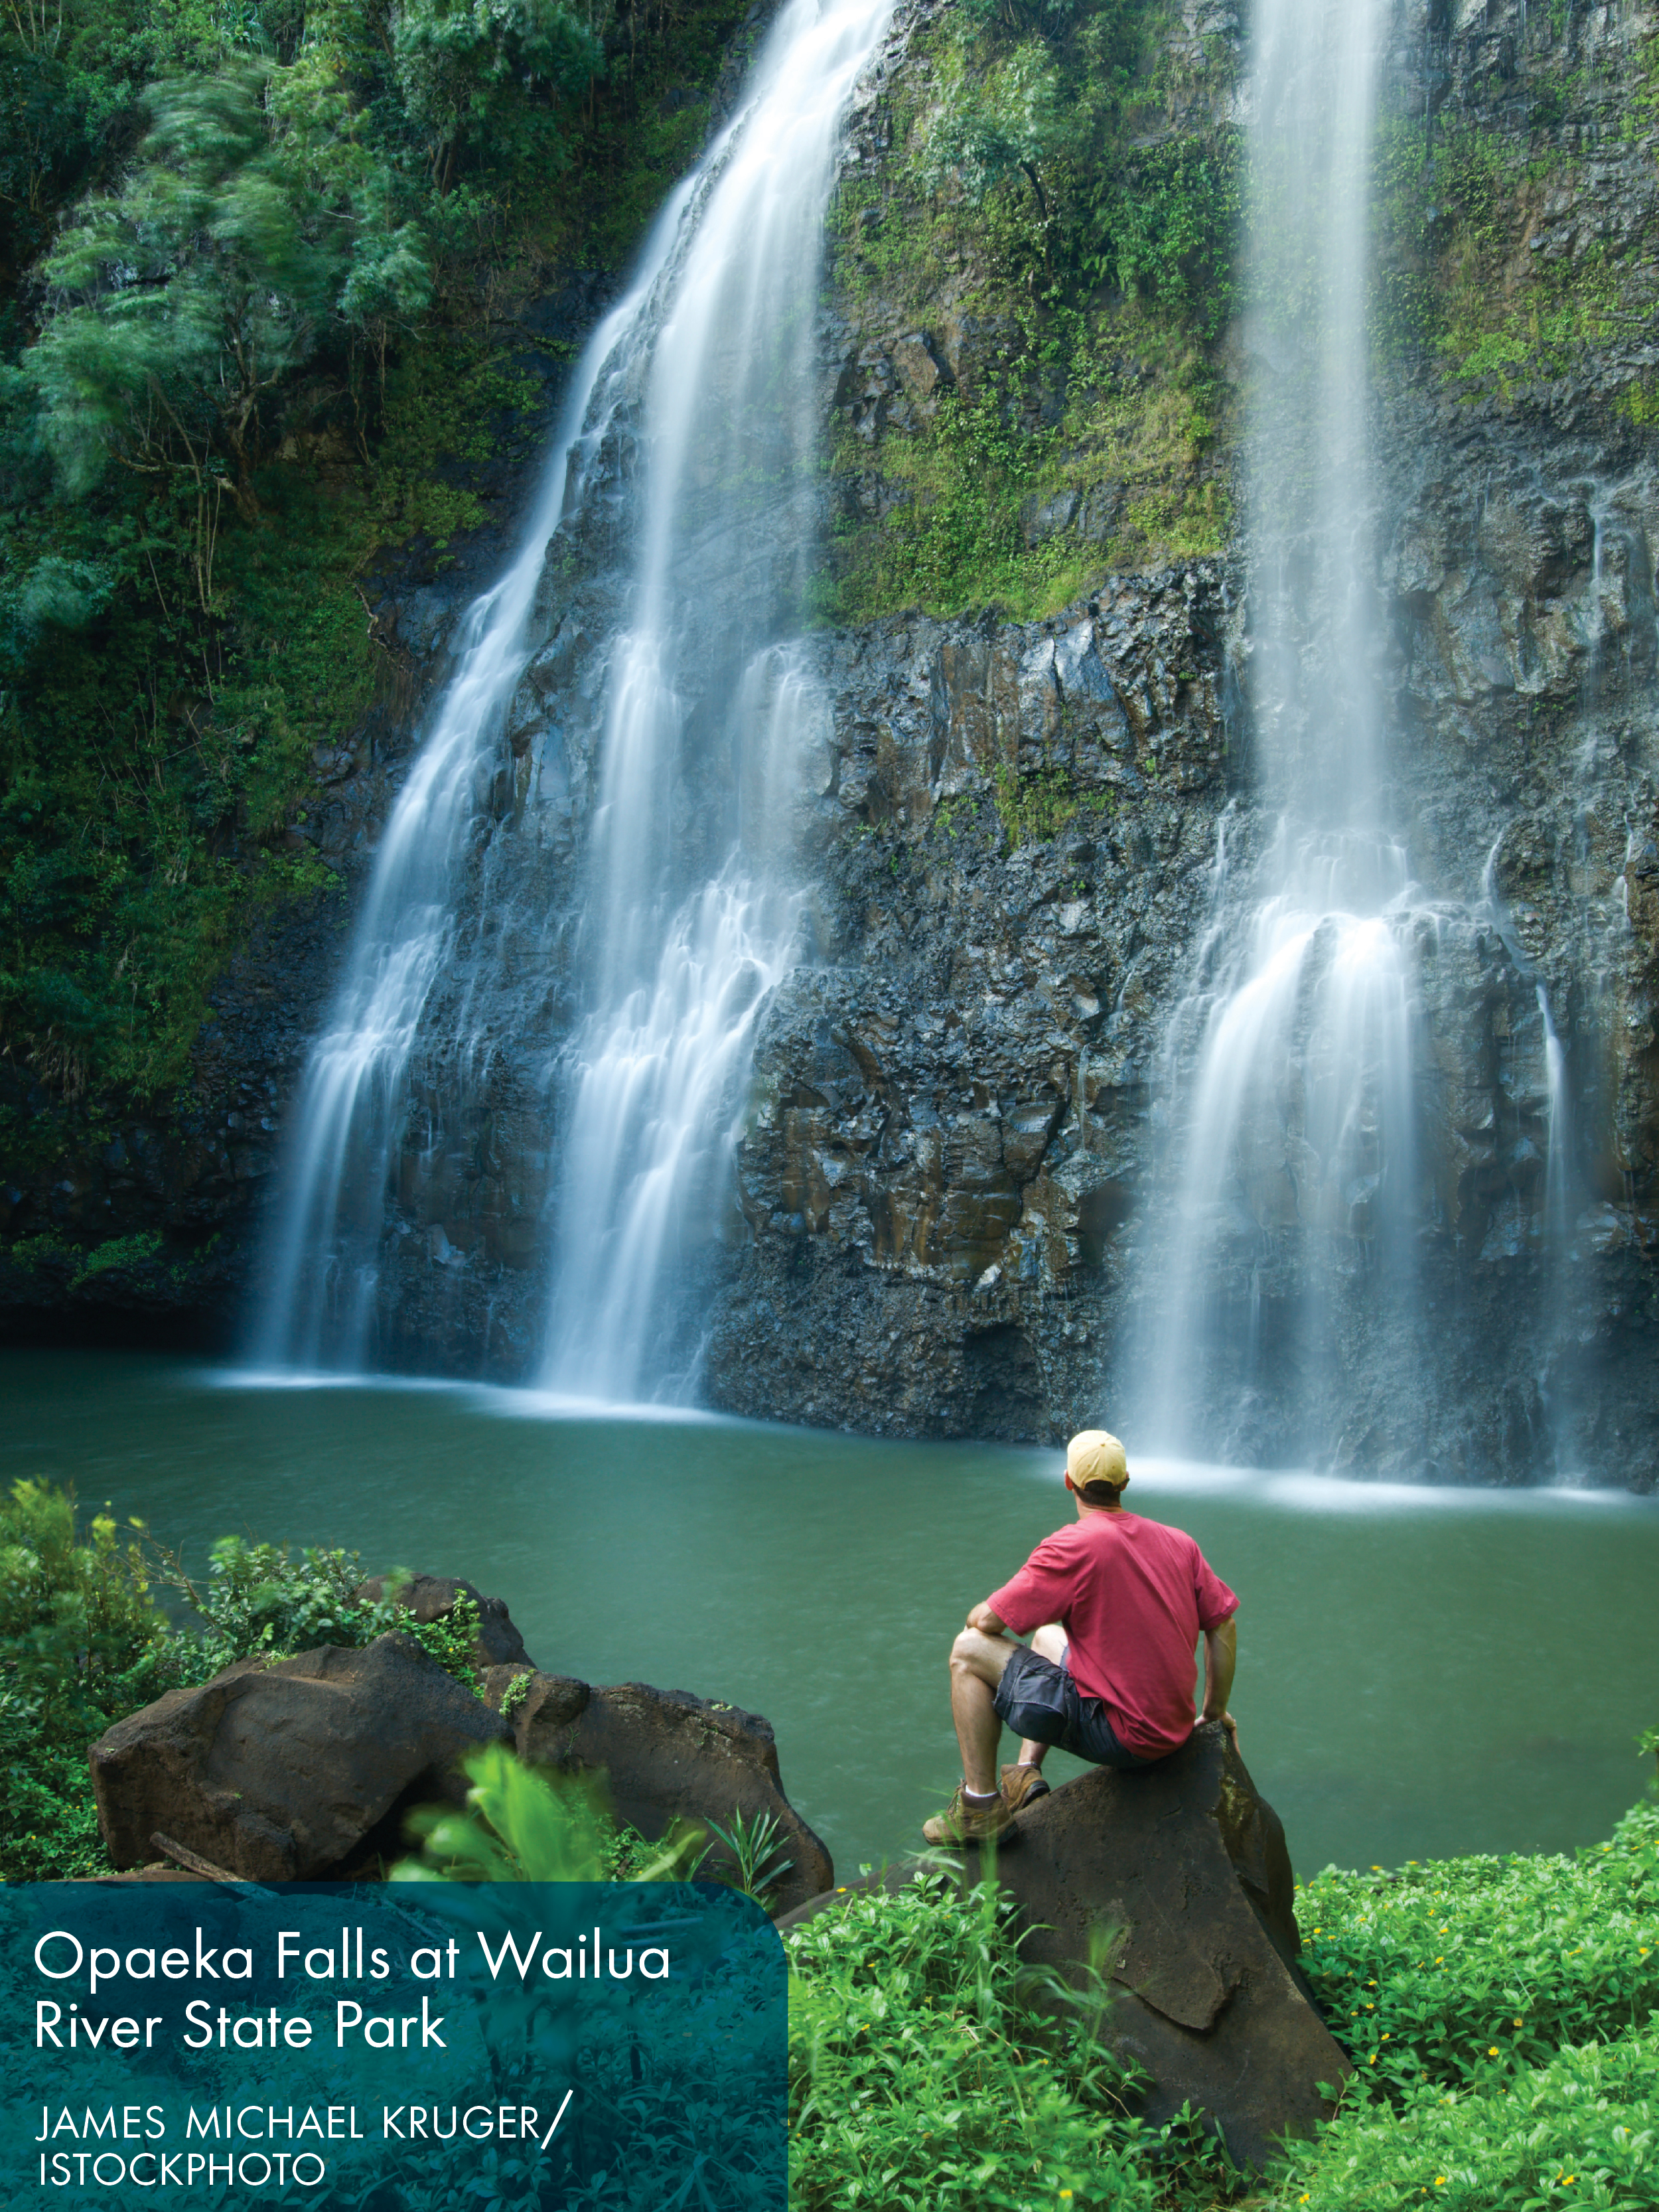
[403, 2047]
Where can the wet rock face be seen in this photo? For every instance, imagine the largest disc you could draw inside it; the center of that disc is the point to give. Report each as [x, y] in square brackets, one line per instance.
[950, 1119]
[957, 1182]
[955, 1185]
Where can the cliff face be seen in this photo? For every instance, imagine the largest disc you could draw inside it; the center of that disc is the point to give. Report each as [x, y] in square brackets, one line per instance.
[953, 1193]
[956, 1186]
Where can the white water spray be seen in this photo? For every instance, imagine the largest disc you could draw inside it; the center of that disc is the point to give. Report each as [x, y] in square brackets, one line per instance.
[319, 1302]
[708, 721]
[690, 918]
[1291, 1054]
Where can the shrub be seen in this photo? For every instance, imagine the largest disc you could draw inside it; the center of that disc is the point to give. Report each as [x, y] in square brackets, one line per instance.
[83, 1642]
[923, 2075]
[260, 1600]
[521, 1825]
[1581, 2130]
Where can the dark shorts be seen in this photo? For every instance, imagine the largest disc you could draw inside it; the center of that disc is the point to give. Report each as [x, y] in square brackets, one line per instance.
[1038, 1700]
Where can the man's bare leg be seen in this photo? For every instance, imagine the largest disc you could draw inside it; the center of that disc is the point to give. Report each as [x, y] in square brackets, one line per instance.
[977, 1661]
[1049, 1642]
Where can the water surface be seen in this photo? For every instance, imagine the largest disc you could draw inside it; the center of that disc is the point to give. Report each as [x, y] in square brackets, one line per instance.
[1421, 1671]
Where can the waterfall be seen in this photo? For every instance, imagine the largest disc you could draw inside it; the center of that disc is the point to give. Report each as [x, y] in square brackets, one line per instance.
[685, 937]
[692, 409]
[1289, 1059]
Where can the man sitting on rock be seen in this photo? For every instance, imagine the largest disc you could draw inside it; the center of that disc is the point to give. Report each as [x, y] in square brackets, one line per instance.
[1118, 1603]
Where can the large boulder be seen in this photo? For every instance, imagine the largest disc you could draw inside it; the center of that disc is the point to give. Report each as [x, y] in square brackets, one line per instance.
[279, 1773]
[427, 1598]
[1176, 1880]
[667, 1756]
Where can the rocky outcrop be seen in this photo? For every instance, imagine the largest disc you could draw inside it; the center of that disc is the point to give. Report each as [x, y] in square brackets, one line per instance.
[280, 1773]
[304, 1769]
[667, 1757]
[1180, 1873]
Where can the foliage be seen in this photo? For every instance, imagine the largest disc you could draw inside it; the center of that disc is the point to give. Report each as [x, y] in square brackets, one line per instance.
[523, 1825]
[1501, 2017]
[1450, 1975]
[1035, 808]
[1581, 2129]
[259, 1601]
[991, 125]
[1501, 2012]
[258, 267]
[84, 1641]
[463, 68]
[82, 1644]
[1464, 275]
[920, 2073]
[754, 1845]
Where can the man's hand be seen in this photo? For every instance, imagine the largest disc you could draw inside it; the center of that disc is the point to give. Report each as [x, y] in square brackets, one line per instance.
[985, 1621]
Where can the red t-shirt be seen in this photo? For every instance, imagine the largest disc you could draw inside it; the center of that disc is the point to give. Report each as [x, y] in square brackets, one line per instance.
[1132, 1596]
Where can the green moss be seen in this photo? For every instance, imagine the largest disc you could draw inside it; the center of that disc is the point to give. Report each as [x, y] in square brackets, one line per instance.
[1455, 280]
[1033, 193]
[120, 1254]
[1035, 807]
[46, 1250]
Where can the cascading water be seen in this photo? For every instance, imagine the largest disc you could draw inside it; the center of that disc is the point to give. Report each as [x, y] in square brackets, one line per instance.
[656, 1070]
[1290, 1057]
[686, 934]
[319, 1305]
[691, 416]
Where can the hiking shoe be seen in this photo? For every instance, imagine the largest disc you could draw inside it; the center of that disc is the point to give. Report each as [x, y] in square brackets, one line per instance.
[962, 1823]
[1022, 1786]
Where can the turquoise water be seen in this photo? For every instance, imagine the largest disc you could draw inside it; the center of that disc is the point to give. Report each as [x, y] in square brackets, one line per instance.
[1421, 1671]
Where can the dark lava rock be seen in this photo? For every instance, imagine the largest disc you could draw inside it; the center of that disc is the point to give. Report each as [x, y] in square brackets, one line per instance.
[1182, 1869]
[278, 1773]
[668, 1756]
[429, 1597]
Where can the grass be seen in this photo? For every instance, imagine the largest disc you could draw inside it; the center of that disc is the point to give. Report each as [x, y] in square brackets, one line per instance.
[1503, 2016]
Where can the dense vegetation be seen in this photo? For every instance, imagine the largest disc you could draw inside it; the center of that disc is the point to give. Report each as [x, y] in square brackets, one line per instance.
[85, 1638]
[1503, 2016]
[259, 261]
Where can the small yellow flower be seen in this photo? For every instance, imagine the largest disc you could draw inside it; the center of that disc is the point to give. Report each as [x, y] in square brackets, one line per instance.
[1385, 2035]
[1492, 2051]
[1440, 2181]
[1372, 2060]
[1518, 2023]
[1440, 1961]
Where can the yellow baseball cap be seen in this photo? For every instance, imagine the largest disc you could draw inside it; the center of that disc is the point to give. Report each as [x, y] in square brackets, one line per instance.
[1094, 1456]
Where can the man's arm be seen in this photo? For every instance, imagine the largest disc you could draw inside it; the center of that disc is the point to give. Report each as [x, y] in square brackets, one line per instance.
[987, 1622]
[1220, 1658]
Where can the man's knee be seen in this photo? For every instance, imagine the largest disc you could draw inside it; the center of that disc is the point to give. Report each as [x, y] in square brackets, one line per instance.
[983, 1657]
